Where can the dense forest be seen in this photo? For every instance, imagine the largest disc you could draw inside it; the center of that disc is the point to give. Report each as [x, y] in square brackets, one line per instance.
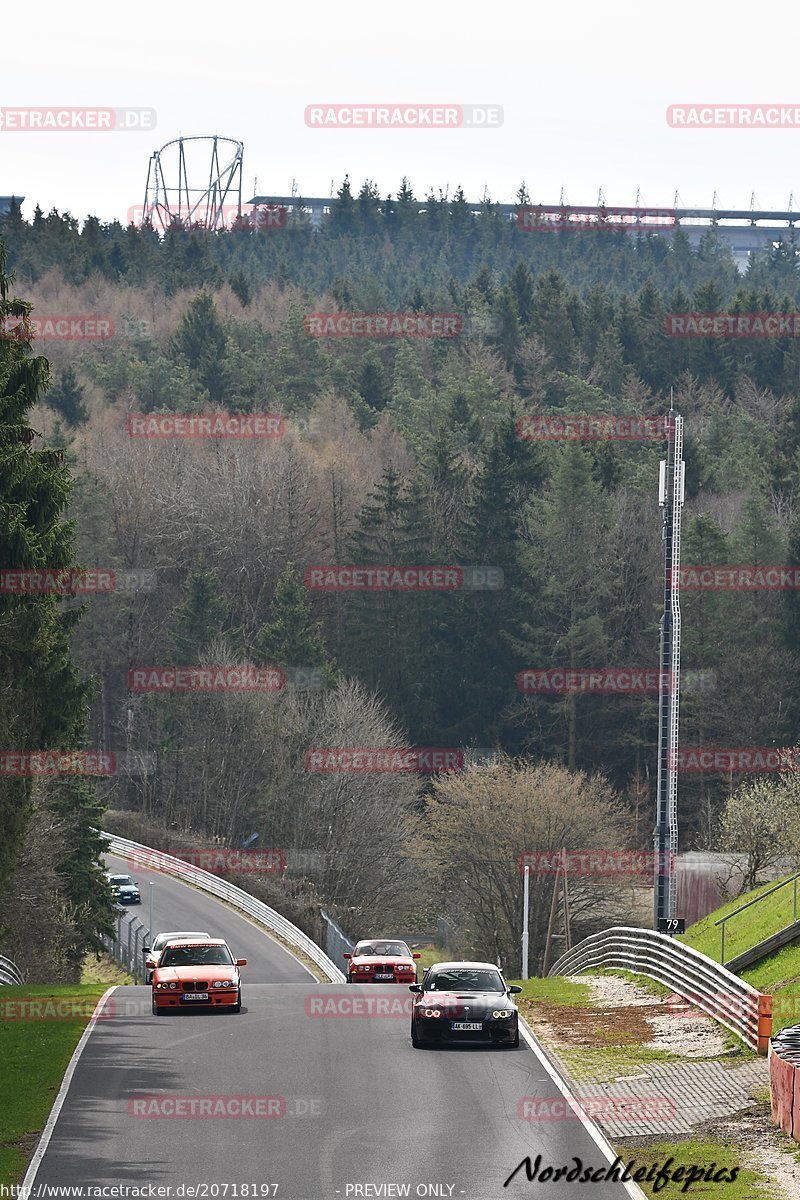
[406, 451]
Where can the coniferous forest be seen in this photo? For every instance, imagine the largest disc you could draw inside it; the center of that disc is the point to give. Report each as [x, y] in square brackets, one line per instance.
[396, 451]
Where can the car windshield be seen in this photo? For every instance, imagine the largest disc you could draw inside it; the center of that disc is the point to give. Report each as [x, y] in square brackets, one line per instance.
[196, 956]
[465, 980]
[380, 949]
[121, 881]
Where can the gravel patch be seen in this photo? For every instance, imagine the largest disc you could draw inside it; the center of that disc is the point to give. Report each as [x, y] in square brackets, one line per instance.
[684, 1031]
[762, 1142]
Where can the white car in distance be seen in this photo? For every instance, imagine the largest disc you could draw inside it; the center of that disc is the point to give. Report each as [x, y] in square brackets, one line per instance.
[161, 940]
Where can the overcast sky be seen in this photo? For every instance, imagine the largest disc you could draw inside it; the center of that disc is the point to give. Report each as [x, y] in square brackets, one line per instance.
[584, 88]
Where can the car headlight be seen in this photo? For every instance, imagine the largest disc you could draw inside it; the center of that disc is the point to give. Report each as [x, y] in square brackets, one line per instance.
[431, 1012]
[364, 967]
[172, 985]
[499, 1013]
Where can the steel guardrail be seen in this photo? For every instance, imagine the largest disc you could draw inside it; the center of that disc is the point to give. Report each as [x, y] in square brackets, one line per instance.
[706, 984]
[259, 912]
[9, 972]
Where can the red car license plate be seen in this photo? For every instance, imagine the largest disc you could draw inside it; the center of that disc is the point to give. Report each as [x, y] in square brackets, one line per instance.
[195, 996]
[466, 1025]
[384, 976]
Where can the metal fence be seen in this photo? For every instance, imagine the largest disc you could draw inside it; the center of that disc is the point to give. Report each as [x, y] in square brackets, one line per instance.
[9, 972]
[692, 975]
[337, 943]
[236, 897]
[127, 944]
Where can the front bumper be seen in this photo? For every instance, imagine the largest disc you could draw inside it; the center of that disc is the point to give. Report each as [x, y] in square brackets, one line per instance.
[492, 1031]
[368, 977]
[217, 998]
[129, 899]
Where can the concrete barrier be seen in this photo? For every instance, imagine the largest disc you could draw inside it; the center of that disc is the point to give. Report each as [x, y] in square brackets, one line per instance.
[784, 1087]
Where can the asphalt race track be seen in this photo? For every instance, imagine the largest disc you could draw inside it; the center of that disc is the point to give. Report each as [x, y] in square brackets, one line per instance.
[354, 1108]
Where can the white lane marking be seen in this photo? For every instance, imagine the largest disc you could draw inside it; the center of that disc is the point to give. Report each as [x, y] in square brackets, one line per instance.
[228, 908]
[597, 1135]
[47, 1132]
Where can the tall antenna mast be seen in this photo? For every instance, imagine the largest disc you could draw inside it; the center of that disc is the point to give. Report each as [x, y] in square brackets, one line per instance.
[665, 835]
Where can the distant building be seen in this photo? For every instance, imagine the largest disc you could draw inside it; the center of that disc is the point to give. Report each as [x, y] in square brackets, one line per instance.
[6, 202]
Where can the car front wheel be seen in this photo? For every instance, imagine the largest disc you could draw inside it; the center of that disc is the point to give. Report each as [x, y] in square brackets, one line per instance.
[237, 1007]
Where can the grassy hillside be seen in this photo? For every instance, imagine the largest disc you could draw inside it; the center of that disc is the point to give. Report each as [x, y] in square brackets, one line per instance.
[780, 973]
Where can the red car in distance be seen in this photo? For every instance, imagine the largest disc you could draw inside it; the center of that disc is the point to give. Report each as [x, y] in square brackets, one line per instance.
[196, 975]
[381, 960]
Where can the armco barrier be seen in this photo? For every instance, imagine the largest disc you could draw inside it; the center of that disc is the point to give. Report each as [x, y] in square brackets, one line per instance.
[784, 1080]
[9, 973]
[261, 913]
[703, 982]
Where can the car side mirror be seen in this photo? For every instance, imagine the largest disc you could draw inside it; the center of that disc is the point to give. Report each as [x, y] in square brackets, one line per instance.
[415, 987]
[242, 962]
[150, 965]
[416, 956]
[514, 989]
[145, 949]
[346, 955]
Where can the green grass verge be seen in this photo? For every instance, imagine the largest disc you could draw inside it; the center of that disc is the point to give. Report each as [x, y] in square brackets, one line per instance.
[748, 1185]
[34, 1053]
[595, 1064]
[745, 930]
[554, 989]
[778, 975]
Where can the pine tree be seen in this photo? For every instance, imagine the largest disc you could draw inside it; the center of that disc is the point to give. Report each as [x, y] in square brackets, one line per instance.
[241, 288]
[293, 638]
[42, 700]
[200, 340]
[66, 398]
[202, 616]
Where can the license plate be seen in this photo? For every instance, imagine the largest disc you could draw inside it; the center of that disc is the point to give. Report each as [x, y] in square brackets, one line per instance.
[384, 976]
[466, 1024]
[195, 995]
